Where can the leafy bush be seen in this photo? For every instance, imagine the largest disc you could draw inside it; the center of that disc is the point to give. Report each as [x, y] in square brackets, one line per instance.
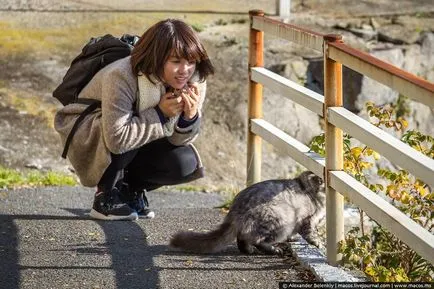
[378, 253]
[198, 27]
[11, 179]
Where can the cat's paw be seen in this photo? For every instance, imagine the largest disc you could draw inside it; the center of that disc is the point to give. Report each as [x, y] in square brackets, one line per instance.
[274, 250]
[313, 241]
[270, 249]
[293, 238]
[278, 251]
[245, 247]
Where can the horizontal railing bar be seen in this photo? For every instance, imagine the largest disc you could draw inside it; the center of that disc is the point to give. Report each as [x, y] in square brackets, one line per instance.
[291, 90]
[287, 144]
[301, 36]
[387, 145]
[397, 79]
[389, 217]
[418, 89]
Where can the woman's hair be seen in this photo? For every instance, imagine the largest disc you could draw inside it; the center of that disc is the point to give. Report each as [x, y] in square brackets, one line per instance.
[164, 39]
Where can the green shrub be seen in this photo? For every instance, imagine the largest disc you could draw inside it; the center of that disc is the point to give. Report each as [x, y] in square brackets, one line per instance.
[9, 178]
[12, 179]
[198, 27]
[378, 253]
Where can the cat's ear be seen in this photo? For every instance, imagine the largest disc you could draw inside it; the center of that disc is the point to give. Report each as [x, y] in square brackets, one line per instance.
[318, 180]
[314, 179]
[321, 185]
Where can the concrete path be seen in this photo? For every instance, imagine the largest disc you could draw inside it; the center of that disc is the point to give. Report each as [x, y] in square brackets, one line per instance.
[48, 241]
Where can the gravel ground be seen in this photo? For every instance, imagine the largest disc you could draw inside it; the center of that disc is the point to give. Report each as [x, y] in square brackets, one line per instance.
[48, 241]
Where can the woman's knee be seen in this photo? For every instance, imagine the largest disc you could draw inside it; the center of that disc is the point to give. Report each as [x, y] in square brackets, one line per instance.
[182, 161]
[121, 161]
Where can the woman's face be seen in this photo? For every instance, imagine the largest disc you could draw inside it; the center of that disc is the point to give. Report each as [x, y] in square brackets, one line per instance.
[178, 71]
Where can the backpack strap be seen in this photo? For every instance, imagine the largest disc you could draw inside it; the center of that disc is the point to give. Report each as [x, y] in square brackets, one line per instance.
[93, 104]
[88, 101]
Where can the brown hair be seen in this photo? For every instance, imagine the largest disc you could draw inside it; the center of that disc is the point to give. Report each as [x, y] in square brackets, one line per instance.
[163, 39]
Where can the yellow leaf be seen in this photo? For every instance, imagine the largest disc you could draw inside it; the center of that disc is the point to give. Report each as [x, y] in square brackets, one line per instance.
[188, 263]
[393, 192]
[406, 198]
[365, 165]
[356, 152]
[367, 259]
[416, 147]
[349, 167]
[370, 271]
[376, 155]
[390, 188]
[422, 191]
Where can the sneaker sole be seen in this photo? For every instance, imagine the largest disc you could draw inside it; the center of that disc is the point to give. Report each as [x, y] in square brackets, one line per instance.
[150, 215]
[97, 215]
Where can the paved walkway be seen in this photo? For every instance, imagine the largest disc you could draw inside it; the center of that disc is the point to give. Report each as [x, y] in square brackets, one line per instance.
[48, 241]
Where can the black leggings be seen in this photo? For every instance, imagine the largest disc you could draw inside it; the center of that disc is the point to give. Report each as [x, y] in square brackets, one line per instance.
[151, 166]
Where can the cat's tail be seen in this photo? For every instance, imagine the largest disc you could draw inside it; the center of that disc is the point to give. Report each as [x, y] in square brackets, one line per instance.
[207, 242]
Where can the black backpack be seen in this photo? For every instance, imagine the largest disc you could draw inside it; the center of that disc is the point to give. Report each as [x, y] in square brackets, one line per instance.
[96, 54]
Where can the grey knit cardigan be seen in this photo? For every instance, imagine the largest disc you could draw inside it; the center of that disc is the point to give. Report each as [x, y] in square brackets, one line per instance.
[118, 126]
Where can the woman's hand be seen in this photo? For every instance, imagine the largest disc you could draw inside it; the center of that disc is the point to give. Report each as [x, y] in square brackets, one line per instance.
[171, 105]
[190, 97]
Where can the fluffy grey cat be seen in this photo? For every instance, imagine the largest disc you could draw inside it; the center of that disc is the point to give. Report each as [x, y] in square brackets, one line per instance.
[263, 215]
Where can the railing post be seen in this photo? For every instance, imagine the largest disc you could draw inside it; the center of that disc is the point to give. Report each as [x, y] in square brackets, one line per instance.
[334, 153]
[283, 9]
[254, 142]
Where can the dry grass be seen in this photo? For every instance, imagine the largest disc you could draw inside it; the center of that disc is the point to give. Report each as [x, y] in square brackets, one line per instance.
[23, 38]
[26, 102]
[41, 36]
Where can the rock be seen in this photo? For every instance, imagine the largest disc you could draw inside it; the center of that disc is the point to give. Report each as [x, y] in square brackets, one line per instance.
[299, 67]
[366, 34]
[367, 27]
[374, 23]
[341, 25]
[294, 69]
[294, 119]
[34, 165]
[419, 60]
[352, 82]
[6, 150]
[413, 60]
[397, 34]
[374, 91]
[374, 45]
[357, 89]
[427, 51]
[422, 118]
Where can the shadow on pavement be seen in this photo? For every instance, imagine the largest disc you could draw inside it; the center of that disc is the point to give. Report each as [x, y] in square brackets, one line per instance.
[125, 242]
[127, 245]
[9, 269]
[209, 262]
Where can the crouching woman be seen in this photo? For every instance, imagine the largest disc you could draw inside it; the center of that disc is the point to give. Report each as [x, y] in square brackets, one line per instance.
[141, 137]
